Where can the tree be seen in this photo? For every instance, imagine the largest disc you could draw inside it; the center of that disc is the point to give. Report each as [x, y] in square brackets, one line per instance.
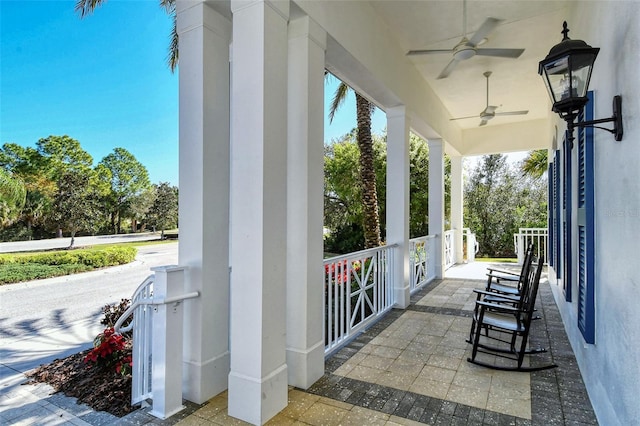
[364, 108]
[75, 204]
[40, 169]
[535, 164]
[87, 7]
[499, 200]
[12, 197]
[141, 205]
[343, 210]
[126, 178]
[164, 211]
[61, 155]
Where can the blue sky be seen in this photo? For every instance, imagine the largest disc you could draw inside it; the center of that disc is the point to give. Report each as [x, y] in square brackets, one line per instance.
[102, 80]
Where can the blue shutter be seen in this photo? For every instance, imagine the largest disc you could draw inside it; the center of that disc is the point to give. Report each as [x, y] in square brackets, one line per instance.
[586, 238]
[551, 213]
[566, 219]
[556, 195]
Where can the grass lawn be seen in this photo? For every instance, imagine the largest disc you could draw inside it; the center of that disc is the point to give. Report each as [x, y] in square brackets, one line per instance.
[497, 259]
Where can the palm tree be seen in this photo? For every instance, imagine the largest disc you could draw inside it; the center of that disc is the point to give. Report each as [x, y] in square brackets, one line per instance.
[364, 108]
[87, 7]
[535, 164]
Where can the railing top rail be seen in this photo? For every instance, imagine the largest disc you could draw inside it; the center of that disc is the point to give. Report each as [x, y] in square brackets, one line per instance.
[144, 284]
[424, 237]
[358, 254]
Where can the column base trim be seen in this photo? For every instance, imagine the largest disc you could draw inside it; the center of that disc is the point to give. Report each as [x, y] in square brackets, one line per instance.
[258, 400]
[204, 380]
[305, 366]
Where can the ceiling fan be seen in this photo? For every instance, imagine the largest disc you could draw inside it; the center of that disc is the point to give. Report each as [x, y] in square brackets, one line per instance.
[468, 47]
[490, 111]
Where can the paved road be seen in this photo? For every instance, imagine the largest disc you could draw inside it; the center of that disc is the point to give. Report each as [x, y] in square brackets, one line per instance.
[56, 303]
[54, 243]
[53, 318]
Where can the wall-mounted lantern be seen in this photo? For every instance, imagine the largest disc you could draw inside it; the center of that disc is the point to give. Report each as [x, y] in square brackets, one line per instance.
[566, 72]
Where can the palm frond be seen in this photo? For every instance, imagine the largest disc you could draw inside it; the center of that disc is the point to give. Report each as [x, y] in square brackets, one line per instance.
[338, 99]
[87, 7]
[535, 164]
[172, 56]
[169, 6]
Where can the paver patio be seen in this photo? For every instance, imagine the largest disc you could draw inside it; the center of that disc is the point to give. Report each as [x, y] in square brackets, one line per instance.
[410, 368]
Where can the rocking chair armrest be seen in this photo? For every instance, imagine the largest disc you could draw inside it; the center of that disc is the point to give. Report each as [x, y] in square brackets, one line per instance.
[498, 307]
[502, 271]
[506, 297]
[502, 278]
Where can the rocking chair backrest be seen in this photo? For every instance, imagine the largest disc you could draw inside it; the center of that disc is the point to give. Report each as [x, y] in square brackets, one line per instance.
[528, 298]
[526, 267]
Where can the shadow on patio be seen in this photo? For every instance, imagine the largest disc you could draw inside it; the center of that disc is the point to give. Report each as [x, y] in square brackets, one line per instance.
[411, 368]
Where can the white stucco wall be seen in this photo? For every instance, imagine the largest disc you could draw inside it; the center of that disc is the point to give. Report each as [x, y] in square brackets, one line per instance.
[611, 366]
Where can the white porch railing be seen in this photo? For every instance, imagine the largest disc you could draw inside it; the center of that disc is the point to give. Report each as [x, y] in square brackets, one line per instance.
[157, 336]
[421, 261]
[357, 291]
[141, 325]
[472, 246]
[449, 249]
[536, 236]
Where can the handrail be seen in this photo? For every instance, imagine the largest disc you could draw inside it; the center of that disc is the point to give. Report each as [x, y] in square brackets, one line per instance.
[129, 311]
[424, 237]
[357, 254]
[159, 301]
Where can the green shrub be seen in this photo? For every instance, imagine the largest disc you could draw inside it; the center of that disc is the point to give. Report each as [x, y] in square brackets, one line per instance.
[15, 272]
[26, 266]
[6, 259]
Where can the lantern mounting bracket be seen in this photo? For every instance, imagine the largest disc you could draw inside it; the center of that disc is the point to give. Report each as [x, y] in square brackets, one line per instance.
[616, 119]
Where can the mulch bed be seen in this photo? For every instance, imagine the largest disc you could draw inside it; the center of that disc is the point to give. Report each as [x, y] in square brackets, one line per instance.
[99, 388]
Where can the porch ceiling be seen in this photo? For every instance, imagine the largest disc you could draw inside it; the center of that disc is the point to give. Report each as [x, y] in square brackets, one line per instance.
[514, 85]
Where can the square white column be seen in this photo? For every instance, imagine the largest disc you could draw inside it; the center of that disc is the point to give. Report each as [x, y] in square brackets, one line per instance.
[436, 201]
[305, 180]
[204, 196]
[457, 205]
[258, 377]
[398, 145]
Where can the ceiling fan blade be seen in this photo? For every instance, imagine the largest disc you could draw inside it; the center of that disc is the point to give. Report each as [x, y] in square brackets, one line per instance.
[490, 109]
[513, 113]
[502, 53]
[485, 29]
[463, 118]
[447, 70]
[483, 122]
[427, 51]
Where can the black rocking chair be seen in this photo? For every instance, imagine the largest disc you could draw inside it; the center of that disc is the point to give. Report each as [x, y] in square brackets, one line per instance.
[507, 282]
[511, 319]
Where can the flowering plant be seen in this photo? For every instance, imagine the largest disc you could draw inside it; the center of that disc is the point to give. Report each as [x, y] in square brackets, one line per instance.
[338, 272]
[111, 350]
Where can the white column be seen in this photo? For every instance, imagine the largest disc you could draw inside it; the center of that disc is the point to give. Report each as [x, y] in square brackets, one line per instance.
[204, 195]
[258, 377]
[436, 201]
[457, 205]
[398, 143]
[305, 180]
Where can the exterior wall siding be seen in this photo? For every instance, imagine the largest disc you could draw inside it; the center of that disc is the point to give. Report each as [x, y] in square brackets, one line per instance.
[611, 366]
